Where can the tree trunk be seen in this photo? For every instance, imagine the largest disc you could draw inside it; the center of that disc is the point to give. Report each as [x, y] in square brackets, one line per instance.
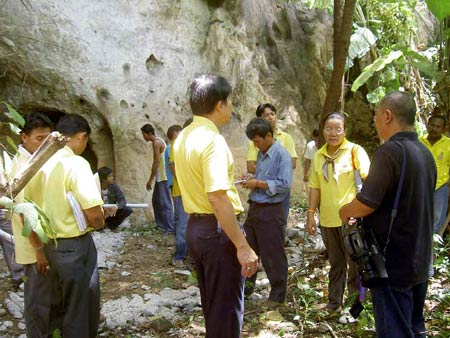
[343, 21]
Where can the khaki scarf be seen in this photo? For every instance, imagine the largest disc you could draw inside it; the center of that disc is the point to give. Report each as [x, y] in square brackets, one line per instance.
[328, 160]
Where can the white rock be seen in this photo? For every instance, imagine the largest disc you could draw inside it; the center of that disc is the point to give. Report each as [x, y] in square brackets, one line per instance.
[125, 273]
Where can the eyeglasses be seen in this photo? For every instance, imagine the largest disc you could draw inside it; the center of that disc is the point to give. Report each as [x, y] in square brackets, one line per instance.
[330, 130]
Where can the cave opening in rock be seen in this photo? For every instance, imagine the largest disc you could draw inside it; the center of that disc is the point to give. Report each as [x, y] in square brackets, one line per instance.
[99, 151]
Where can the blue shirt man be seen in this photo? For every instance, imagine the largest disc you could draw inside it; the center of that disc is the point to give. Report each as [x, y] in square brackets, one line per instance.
[265, 224]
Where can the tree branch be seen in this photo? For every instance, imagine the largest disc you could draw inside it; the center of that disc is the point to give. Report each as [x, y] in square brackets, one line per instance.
[51, 145]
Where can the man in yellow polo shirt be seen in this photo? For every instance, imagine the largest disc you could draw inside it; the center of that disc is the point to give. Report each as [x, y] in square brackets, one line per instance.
[439, 146]
[268, 112]
[73, 256]
[205, 174]
[29, 250]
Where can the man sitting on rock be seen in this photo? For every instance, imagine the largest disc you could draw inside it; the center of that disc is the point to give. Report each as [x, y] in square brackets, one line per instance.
[112, 194]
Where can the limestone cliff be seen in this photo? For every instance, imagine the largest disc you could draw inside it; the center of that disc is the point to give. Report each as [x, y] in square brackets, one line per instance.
[122, 64]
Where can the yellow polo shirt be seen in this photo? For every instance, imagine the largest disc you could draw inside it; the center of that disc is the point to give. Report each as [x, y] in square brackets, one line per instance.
[441, 154]
[24, 251]
[62, 173]
[204, 164]
[285, 139]
[175, 187]
[334, 194]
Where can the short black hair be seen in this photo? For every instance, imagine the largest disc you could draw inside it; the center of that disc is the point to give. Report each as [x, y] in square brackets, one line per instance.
[402, 106]
[34, 121]
[260, 109]
[206, 91]
[148, 129]
[333, 115]
[188, 122]
[72, 124]
[172, 130]
[258, 127]
[103, 173]
[442, 117]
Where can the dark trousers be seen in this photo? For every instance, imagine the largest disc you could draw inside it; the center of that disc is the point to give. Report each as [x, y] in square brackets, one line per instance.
[75, 308]
[15, 269]
[113, 222]
[219, 277]
[162, 207]
[265, 230]
[399, 312]
[333, 238]
[38, 292]
[286, 205]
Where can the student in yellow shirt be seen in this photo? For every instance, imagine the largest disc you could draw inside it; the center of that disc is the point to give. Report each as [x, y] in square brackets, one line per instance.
[29, 250]
[332, 183]
[268, 112]
[73, 256]
[439, 146]
[205, 174]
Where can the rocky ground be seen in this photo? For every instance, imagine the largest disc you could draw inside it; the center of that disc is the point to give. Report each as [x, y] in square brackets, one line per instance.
[143, 295]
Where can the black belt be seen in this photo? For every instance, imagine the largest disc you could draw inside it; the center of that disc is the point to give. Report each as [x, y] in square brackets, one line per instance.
[262, 204]
[198, 216]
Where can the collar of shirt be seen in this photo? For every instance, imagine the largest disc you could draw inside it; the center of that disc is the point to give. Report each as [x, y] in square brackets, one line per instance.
[323, 149]
[204, 122]
[271, 150]
[424, 139]
[404, 135]
[23, 152]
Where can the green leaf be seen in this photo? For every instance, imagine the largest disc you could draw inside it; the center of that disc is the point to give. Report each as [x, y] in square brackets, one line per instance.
[440, 8]
[376, 96]
[377, 65]
[45, 227]
[6, 202]
[14, 128]
[30, 217]
[14, 115]
[11, 142]
[360, 42]
[7, 164]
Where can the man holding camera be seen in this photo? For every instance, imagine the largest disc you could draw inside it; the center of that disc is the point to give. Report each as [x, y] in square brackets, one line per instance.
[407, 241]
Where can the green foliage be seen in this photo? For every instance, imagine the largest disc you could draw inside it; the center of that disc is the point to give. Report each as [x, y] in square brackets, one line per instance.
[376, 66]
[440, 8]
[14, 115]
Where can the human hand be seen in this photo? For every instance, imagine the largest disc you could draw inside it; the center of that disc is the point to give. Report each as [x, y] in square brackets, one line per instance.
[248, 260]
[250, 184]
[311, 225]
[149, 185]
[110, 211]
[42, 264]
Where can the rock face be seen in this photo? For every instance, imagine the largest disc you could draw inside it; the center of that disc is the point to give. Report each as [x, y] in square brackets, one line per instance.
[122, 64]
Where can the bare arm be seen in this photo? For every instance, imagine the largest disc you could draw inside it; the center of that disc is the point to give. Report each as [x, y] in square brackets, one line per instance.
[251, 167]
[306, 170]
[314, 198]
[354, 209]
[158, 148]
[223, 209]
[294, 162]
[95, 217]
[40, 256]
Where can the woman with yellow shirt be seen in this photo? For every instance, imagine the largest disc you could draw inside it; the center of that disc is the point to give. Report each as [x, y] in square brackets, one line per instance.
[332, 184]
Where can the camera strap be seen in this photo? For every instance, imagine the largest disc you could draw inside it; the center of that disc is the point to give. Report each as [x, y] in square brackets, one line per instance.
[397, 195]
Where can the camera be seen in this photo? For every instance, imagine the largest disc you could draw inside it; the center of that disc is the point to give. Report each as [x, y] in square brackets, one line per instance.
[361, 244]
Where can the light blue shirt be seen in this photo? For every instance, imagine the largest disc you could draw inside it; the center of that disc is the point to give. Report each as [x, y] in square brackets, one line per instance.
[275, 168]
[168, 171]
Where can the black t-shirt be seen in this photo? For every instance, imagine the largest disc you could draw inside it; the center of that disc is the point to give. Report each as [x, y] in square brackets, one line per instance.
[409, 254]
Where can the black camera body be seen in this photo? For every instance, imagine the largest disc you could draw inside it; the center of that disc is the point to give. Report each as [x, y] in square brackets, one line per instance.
[361, 244]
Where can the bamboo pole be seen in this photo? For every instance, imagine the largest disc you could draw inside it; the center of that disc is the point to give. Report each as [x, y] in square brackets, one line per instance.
[51, 145]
